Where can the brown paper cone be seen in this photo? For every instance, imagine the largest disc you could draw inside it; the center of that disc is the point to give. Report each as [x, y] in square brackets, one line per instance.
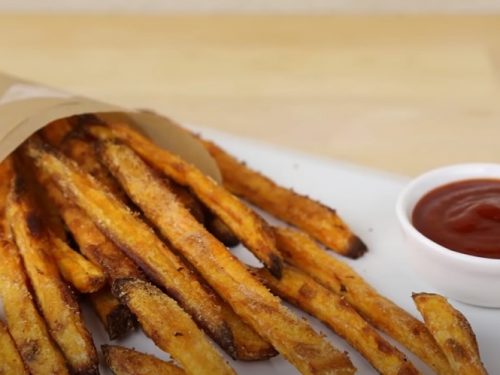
[26, 107]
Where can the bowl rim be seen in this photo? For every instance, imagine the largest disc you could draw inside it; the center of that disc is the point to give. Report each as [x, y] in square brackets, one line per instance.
[408, 226]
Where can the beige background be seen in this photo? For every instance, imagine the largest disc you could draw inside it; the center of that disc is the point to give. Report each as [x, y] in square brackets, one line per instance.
[280, 6]
[401, 93]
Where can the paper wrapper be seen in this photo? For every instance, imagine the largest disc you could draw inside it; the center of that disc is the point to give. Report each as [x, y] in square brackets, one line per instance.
[26, 107]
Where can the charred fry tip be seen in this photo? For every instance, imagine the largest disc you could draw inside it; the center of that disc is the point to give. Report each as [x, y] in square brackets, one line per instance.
[276, 266]
[120, 322]
[356, 248]
[225, 339]
[117, 287]
[105, 351]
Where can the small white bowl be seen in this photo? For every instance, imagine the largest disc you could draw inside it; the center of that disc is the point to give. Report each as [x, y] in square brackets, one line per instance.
[466, 278]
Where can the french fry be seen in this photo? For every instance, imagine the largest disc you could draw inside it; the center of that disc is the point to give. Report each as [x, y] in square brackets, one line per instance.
[116, 318]
[213, 224]
[137, 239]
[55, 299]
[248, 345]
[26, 326]
[302, 251]
[85, 276]
[82, 150]
[124, 361]
[253, 232]
[221, 231]
[313, 217]
[170, 327]
[91, 241]
[301, 290]
[188, 200]
[452, 332]
[10, 359]
[291, 336]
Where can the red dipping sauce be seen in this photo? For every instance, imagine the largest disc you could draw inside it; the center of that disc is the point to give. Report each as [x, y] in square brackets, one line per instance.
[463, 216]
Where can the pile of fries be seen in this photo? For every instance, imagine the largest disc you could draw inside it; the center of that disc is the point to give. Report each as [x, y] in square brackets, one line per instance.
[96, 211]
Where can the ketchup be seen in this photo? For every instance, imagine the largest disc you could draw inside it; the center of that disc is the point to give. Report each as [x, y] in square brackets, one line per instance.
[463, 216]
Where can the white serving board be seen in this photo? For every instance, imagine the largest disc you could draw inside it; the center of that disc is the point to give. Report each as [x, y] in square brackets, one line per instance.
[366, 200]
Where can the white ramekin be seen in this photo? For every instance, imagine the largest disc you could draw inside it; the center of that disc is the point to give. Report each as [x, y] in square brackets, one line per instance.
[466, 278]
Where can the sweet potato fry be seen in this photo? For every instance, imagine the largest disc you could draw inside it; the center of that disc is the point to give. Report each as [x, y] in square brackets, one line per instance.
[82, 150]
[10, 359]
[189, 201]
[291, 336]
[253, 232]
[91, 241]
[213, 224]
[55, 299]
[313, 217]
[248, 345]
[452, 332]
[124, 361]
[27, 327]
[138, 240]
[116, 318]
[301, 290]
[301, 251]
[85, 276]
[170, 327]
[221, 231]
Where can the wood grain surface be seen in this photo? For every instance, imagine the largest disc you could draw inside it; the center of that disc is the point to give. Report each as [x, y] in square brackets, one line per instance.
[400, 93]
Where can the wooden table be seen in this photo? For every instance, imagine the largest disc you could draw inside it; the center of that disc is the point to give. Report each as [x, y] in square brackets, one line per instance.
[401, 93]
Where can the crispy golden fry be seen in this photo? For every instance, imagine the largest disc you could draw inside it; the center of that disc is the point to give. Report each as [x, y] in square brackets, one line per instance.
[221, 231]
[313, 217]
[452, 332]
[253, 232]
[291, 336]
[214, 225]
[116, 318]
[248, 345]
[83, 151]
[55, 299]
[26, 326]
[170, 327]
[124, 361]
[187, 199]
[85, 276]
[301, 290]
[10, 359]
[301, 251]
[141, 244]
[91, 241]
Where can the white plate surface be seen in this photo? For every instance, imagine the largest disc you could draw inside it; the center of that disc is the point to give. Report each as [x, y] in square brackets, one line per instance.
[366, 200]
